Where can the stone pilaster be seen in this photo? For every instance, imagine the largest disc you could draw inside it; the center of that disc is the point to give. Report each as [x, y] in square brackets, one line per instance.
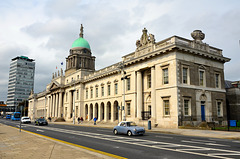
[139, 94]
[153, 93]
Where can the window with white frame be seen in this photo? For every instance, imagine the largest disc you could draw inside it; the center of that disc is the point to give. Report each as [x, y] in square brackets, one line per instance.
[109, 89]
[166, 107]
[149, 81]
[91, 93]
[86, 93]
[76, 111]
[187, 107]
[217, 80]
[102, 91]
[96, 92]
[66, 96]
[150, 109]
[219, 108]
[128, 84]
[116, 88]
[128, 108]
[165, 76]
[185, 75]
[77, 95]
[201, 77]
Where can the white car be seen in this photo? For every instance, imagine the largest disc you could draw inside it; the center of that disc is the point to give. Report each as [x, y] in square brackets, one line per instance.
[25, 120]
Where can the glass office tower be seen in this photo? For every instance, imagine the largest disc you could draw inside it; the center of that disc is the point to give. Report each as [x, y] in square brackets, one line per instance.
[21, 80]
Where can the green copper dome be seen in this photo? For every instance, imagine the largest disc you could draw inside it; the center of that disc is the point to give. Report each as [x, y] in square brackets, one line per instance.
[80, 42]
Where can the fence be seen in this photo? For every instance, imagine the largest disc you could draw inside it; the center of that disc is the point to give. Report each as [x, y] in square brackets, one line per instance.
[233, 125]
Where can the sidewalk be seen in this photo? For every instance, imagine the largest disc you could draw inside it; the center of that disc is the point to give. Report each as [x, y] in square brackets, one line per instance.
[27, 145]
[15, 144]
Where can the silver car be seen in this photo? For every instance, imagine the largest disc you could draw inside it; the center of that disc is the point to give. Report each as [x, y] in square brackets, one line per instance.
[129, 128]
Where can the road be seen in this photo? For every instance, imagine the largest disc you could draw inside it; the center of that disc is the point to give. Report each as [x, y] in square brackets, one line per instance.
[151, 145]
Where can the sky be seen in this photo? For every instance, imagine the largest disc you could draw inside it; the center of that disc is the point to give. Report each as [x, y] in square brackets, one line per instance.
[45, 30]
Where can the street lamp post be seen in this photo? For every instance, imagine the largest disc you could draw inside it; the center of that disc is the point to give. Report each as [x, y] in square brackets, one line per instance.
[74, 103]
[123, 94]
[124, 116]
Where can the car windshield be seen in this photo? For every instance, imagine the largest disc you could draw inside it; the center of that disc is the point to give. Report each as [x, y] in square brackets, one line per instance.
[131, 124]
[41, 119]
[25, 118]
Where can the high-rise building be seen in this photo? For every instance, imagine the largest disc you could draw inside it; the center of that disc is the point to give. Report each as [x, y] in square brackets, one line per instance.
[21, 80]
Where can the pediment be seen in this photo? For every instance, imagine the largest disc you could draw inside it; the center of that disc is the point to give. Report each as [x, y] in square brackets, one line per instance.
[54, 85]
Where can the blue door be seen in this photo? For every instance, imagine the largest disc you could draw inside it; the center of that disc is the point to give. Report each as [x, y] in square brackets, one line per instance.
[203, 112]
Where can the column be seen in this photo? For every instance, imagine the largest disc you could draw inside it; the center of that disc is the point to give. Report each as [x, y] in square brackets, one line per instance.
[105, 113]
[56, 106]
[89, 112]
[112, 112]
[153, 93]
[139, 94]
[70, 104]
[60, 111]
[99, 112]
[94, 111]
[49, 104]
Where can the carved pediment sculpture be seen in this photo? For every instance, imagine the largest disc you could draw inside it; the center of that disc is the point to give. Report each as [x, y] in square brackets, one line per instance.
[145, 39]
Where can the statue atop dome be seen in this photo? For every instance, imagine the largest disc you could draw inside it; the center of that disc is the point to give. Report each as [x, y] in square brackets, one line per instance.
[81, 31]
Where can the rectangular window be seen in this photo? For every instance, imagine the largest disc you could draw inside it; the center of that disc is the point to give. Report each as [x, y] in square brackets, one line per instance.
[217, 80]
[185, 75]
[102, 91]
[96, 92]
[219, 108]
[128, 109]
[149, 81]
[150, 109]
[165, 76]
[128, 83]
[166, 107]
[65, 112]
[109, 90]
[66, 96]
[91, 93]
[186, 107]
[76, 111]
[116, 88]
[86, 93]
[201, 78]
[77, 94]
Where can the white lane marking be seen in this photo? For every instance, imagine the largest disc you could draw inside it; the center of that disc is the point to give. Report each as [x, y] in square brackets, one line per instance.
[103, 130]
[203, 149]
[167, 137]
[203, 140]
[224, 154]
[236, 141]
[205, 143]
[163, 147]
[40, 130]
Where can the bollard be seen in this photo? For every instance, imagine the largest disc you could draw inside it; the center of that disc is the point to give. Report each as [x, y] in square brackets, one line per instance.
[149, 124]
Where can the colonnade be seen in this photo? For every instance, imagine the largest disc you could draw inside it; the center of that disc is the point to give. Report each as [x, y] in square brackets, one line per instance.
[55, 105]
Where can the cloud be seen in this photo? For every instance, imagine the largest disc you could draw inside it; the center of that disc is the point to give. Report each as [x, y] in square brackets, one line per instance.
[45, 30]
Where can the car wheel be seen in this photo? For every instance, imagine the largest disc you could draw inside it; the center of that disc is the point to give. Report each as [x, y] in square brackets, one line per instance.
[129, 133]
[115, 132]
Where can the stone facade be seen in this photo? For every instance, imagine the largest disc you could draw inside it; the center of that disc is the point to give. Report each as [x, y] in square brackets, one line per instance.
[233, 100]
[172, 82]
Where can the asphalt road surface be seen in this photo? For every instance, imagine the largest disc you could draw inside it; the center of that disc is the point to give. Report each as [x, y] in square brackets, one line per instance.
[151, 145]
